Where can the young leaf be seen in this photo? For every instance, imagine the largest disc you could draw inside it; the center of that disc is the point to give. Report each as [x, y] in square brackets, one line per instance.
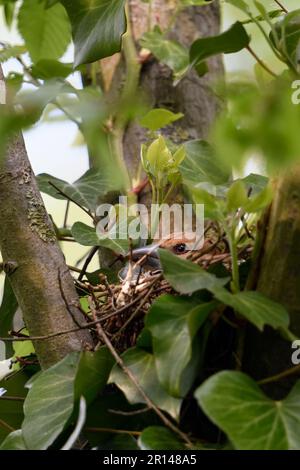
[236, 196]
[87, 236]
[251, 420]
[46, 31]
[49, 68]
[97, 28]
[158, 118]
[187, 277]
[232, 40]
[159, 438]
[142, 365]
[174, 323]
[286, 36]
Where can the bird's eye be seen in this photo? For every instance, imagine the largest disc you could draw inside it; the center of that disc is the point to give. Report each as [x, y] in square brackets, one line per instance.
[180, 248]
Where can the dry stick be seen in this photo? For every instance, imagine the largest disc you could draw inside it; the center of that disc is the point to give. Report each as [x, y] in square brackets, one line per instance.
[134, 380]
[12, 398]
[280, 376]
[132, 316]
[260, 62]
[130, 413]
[281, 6]
[87, 211]
[73, 330]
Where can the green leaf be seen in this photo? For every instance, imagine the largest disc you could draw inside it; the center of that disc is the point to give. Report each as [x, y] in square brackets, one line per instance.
[14, 441]
[241, 4]
[171, 53]
[256, 307]
[49, 68]
[159, 438]
[236, 196]
[174, 323]
[49, 403]
[97, 28]
[252, 421]
[232, 40]
[46, 31]
[87, 236]
[200, 165]
[187, 277]
[286, 36]
[92, 374]
[158, 118]
[86, 191]
[142, 365]
[260, 201]
[11, 51]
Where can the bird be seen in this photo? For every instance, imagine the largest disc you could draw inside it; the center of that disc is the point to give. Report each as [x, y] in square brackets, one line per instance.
[146, 258]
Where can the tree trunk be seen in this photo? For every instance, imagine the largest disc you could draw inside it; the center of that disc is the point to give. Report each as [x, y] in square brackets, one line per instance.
[33, 260]
[268, 354]
[192, 96]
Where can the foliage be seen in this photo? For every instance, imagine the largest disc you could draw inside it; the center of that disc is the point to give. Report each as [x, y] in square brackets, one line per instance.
[169, 358]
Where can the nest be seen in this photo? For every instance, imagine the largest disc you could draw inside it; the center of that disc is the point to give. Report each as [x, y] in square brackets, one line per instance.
[122, 306]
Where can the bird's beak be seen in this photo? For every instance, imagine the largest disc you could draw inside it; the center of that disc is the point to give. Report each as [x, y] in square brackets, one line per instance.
[150, 250]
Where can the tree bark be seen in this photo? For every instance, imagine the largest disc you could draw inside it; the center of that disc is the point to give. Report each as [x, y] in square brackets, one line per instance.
[192, 96]
[34, 262]
[268, 354]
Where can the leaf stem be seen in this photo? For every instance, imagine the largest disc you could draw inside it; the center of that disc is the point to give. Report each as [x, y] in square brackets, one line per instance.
[260, 62]
[281, 6]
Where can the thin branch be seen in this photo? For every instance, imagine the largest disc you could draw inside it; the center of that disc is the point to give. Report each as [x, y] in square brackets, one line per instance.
[281, 375]
[260, 62]
[66, 214]
[281, 6]
[130, 413]
[103, 336]
[6, 426]
[87, 262]
[69, 198]
[12, 398]
[113, 431]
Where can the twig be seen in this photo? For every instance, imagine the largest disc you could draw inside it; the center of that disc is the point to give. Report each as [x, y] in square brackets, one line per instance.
[260, 62]
[12, 398]
[281, 6]
[73, 330]
[114, 431]
[87, 211]
[66, 301]
[66, 214]
[130, 413]
[280, 376]
[87, 262]
[134, 380]
[6, 426]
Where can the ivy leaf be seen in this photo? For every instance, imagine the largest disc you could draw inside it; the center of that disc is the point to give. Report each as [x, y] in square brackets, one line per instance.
[256, 307]
[174, 323]
[232, 40]
[97, 28]
[14, 441]
[87, 236]
[187, 277]
[49, 403]
[201, 165]
[159, 438]
[46, 31]
[92, 374]
[251, 420]
[171, 53]
[86, 191]
[236, 196]
[158, 118]
[142, 365]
